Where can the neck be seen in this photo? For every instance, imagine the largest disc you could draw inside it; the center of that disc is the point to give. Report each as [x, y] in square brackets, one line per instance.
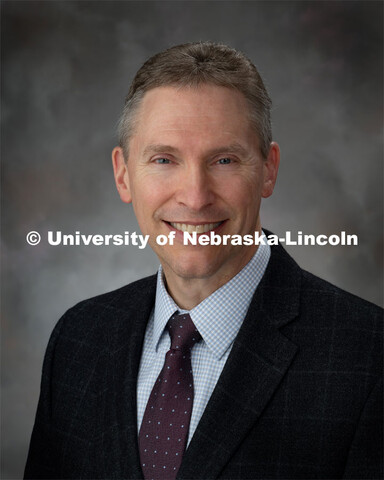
[188, 292]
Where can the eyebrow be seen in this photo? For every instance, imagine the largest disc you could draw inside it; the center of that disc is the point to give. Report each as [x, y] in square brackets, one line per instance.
[162, 148]
[159, 148]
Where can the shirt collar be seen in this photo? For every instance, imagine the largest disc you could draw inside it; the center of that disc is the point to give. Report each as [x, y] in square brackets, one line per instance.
[218, 317]
[165, 307]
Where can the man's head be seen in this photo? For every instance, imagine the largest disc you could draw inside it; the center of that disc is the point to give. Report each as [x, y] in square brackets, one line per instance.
[195, 64]
[195, 163]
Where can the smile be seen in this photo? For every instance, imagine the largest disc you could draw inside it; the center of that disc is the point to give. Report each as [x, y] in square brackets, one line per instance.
[202, 228]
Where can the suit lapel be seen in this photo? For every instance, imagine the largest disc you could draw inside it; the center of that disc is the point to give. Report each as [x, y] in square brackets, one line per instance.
[259, 359]
[121, 454]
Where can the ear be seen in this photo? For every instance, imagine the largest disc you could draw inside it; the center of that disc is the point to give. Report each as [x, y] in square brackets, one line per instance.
[271, 167]
[120, 171]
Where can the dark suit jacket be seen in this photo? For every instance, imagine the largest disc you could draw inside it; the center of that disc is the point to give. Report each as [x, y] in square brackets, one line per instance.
[299, 396]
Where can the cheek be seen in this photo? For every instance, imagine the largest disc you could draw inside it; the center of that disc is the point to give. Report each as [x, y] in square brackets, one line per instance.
[241, 190]
[244, 196]
[148, 195]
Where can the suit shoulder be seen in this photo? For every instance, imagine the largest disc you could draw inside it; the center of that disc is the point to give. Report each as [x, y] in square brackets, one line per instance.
[327, 298]
[334, 327]
[119, 298]
[111, 305]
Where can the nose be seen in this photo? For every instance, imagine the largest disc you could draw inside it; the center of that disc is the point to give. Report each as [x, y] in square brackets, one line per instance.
[195, 189]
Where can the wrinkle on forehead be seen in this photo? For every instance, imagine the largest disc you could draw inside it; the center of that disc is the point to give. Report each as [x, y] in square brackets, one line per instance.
[210, 115]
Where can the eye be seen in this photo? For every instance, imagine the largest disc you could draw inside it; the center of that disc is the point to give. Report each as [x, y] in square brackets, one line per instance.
[162, 161]
[224, 161]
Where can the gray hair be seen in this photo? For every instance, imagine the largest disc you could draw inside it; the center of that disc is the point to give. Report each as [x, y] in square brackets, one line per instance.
[194, 64]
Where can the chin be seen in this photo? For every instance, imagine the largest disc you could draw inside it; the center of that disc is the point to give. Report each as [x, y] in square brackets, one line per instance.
[196, 265]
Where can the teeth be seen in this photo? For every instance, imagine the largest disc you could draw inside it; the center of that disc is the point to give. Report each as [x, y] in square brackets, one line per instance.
[203, 228]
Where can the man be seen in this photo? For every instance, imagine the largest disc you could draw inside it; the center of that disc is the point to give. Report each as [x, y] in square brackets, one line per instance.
[233, 362]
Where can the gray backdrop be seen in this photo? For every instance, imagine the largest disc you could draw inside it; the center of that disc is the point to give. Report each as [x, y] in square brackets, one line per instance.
[66, 67]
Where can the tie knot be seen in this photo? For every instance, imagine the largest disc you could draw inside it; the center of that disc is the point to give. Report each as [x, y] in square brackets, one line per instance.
[183, 332]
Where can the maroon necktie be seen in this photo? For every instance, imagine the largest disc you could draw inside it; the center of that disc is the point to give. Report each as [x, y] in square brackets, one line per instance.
[164, 429]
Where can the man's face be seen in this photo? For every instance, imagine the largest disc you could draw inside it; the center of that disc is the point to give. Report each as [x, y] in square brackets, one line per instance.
[194, 164]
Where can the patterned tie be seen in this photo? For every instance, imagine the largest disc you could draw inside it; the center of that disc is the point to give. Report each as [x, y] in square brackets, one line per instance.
[164, 429]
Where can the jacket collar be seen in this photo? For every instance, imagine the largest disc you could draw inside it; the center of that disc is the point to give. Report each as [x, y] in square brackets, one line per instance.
[128, 317]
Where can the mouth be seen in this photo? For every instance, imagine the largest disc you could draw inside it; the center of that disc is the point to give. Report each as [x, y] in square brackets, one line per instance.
[200, 228]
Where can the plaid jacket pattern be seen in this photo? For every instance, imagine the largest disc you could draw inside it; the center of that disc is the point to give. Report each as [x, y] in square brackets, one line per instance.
[299, 397]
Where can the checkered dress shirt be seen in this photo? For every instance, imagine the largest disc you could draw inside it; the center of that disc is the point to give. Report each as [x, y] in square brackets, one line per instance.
[218, 319]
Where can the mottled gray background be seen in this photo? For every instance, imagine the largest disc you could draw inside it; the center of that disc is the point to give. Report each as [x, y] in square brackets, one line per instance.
[66, 67]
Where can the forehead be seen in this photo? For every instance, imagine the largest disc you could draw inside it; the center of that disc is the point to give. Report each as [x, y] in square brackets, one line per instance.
[204, 114]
